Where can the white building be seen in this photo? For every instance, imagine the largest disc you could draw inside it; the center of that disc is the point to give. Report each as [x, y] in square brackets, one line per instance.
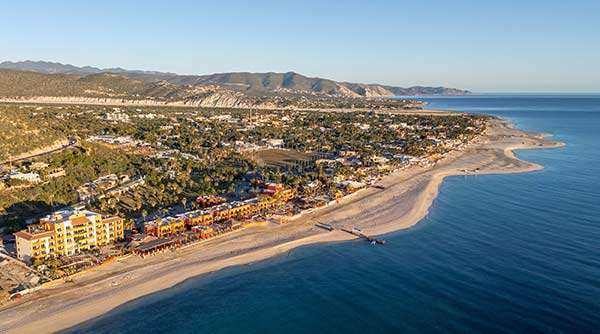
[275, 142]
[29, 177]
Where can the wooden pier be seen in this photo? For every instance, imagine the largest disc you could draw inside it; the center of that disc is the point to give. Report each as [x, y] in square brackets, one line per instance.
[360, 234]
[353, 231]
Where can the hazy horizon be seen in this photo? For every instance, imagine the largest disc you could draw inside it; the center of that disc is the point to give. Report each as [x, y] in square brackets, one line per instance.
[499, 92]
[507, 46]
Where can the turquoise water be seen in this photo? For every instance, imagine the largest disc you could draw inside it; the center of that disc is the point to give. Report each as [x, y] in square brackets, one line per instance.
[497, 253]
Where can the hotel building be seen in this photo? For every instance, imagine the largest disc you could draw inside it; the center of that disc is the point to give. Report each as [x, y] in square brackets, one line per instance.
[67, 232]
[273, 196]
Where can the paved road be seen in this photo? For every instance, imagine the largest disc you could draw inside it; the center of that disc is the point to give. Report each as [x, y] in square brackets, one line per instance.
[72, 143]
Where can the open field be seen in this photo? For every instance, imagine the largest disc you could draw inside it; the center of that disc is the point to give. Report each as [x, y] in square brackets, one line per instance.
[278, 157]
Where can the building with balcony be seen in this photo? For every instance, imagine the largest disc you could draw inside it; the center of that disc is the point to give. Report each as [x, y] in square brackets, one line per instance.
[67, 232]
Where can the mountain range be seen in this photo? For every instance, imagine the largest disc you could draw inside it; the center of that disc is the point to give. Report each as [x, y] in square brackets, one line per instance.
[249, 83]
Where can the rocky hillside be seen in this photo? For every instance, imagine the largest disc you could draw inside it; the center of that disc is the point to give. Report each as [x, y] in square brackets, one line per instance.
[249, 83]
[112, 88]
[119, 89]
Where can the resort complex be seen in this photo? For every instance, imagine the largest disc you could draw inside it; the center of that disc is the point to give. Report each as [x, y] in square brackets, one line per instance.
[288, 167]
[67, 232]
[236, 210]
[75, 230]
[139, 181]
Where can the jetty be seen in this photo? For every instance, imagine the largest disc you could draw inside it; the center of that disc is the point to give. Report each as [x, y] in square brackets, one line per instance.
[327, 227]
[354, 231]
[357, 232]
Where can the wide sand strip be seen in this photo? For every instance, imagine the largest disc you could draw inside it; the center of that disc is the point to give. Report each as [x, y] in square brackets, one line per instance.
[404, 201]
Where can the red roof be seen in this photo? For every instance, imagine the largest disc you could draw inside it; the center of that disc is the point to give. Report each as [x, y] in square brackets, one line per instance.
[111, 219]
[29, 236]
[79, 221]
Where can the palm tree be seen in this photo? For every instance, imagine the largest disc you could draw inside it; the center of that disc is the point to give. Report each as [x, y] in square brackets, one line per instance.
[184, 202]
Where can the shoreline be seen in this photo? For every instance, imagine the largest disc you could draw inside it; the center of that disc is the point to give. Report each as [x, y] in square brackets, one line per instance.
[405, 201]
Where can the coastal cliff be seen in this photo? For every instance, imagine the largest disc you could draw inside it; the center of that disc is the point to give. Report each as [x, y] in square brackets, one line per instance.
[212, 101]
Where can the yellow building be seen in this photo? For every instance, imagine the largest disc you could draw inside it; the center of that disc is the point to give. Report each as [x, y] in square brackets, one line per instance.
[68, 232]
[285, 195]
[110, 229]
[203, 232]
[34, 242]
[199, 218]
[169, 226]
[238, 209]
[164, 227]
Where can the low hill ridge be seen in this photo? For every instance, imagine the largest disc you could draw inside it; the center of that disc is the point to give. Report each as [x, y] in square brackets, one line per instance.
[247, 82]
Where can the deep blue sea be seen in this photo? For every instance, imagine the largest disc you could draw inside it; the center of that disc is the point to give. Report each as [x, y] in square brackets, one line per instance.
[497, 254]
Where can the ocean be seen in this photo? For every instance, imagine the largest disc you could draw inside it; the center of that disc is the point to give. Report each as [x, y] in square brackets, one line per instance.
[497, 253]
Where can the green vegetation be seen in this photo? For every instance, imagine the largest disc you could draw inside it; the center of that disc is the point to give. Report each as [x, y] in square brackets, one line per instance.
[231, 90]
[21, 132]
[252, 83]
[30, 84]
[182, 153]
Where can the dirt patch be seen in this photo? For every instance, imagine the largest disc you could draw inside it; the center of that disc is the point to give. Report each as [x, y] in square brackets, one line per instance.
[279, 158]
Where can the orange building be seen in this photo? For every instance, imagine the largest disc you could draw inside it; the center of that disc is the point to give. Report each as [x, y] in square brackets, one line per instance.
[203, 232]
[164, 227]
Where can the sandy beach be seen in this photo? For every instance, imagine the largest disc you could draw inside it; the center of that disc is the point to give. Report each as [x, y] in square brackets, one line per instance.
[404, 200]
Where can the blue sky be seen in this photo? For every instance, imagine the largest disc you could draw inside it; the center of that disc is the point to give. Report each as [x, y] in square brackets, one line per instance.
[479, 45]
